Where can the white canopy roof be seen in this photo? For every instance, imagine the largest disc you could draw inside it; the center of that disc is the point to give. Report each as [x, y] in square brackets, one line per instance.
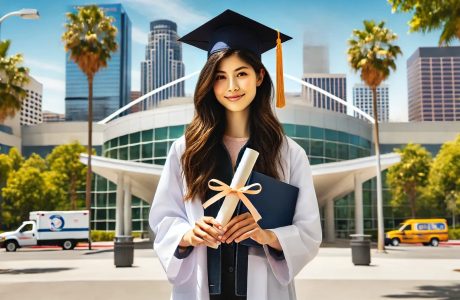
[331, 180]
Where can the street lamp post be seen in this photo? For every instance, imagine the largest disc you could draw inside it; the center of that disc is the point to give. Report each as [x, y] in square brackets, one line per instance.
[25, 13]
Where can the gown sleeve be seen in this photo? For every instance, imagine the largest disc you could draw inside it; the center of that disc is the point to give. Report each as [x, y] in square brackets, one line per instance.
[300, 241]
[169, 222]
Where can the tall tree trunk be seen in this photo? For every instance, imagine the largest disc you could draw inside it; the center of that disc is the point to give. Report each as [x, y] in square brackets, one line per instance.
[380, 225]
[90, 146]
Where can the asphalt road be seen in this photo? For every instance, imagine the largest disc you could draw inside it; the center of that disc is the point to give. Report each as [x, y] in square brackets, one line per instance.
[404, 272]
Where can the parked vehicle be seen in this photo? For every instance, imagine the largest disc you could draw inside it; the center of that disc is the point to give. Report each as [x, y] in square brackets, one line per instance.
[425, 231]
[56, 228]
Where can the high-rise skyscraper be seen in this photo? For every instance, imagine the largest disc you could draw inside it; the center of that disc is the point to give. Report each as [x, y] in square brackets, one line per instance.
[316, 72]
[315, 59]
[112, 84]
[163, 63]
[433, 76]
[31, 109]
[336, 84]
[362, 99]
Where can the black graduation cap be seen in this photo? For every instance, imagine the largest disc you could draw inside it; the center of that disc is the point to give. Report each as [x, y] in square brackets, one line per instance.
[235, 31]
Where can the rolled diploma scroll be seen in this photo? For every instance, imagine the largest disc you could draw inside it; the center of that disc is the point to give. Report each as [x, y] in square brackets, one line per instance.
[240, 178]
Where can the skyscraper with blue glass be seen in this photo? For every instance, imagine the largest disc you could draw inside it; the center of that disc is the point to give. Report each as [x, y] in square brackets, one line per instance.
[163, 63]
[112, 85]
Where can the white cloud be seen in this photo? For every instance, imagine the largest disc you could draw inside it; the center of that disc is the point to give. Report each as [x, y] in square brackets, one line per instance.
[174, 10]
[44, 66]
[51, 84]
[139, 36]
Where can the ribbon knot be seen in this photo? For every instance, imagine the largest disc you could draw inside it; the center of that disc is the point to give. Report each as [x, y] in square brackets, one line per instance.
[225, 190]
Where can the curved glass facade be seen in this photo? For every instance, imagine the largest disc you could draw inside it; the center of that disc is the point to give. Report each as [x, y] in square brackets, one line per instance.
[152, 146]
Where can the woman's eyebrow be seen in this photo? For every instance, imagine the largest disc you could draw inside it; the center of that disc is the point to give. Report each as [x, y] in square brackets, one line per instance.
[236, 70]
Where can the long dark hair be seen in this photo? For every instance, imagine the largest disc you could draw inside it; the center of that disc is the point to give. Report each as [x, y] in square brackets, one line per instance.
[206, 130]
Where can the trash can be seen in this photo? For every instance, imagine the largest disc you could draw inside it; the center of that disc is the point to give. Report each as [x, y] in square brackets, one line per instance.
[360, 249]
[124, 251]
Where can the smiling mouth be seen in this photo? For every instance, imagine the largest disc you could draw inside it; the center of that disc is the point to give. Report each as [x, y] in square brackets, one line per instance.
[234, 98]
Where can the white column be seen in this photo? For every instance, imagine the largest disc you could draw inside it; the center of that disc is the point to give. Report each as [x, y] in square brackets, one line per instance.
[330, 220]
[127, 213]
[359, 221]
[120, 207]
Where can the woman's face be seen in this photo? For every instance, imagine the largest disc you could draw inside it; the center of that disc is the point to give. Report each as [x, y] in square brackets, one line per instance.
[235, 83]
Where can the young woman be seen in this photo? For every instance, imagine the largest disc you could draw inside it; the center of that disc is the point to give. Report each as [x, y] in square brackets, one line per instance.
[232, 111]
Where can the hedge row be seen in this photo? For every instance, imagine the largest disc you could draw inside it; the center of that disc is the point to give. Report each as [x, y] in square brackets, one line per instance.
[454, 234]
[100, 235]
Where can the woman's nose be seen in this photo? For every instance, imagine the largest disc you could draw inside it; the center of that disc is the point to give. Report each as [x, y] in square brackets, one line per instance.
[233, 87]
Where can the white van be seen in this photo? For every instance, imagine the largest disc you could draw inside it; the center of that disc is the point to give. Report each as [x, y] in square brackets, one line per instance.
[56, 228]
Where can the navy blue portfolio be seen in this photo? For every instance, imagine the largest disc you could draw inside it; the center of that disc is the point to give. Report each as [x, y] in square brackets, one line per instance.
[276, 203]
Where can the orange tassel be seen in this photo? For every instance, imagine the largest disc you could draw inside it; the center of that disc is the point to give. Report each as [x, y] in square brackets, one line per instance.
[280, 99]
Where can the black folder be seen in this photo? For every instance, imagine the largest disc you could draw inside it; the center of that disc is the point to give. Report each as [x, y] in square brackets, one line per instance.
[276, 203]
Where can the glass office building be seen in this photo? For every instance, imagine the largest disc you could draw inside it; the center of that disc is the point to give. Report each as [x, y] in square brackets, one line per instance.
[336, 84]
[163, 63]
[433, 79]
[322, 145]
[112, 84]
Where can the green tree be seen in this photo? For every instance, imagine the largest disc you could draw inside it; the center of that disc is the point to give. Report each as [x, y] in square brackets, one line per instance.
[429, 15]
[372, 53]
[65, 160]
[408, 178]
[90, 38]
[16, 159]
[8, 163]
[444, 177]
[24, 191]
[13, 77]
[5, 167]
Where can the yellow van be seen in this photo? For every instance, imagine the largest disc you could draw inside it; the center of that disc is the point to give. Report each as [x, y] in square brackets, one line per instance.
[425, 231]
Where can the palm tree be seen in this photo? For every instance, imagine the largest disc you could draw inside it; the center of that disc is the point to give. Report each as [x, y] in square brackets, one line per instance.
[12, 80]
[90, 38]
[431, 15]
[372, 54]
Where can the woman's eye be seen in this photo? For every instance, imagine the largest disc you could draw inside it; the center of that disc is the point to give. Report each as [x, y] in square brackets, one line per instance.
[220, 77]
[241, 74]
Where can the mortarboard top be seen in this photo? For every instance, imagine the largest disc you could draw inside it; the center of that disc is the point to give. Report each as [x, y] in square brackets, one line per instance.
[234, 31]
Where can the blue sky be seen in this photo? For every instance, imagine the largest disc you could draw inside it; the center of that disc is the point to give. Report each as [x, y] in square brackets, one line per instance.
[327, 22]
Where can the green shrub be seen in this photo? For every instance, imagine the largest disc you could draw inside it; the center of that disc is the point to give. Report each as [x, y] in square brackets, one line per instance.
[100, 235]
[104, 236]
[454, 234]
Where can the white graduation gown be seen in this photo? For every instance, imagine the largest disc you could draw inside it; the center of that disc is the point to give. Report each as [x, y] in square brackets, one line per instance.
[268, 278]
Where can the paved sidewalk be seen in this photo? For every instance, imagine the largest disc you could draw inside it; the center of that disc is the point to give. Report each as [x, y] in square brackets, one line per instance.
[401, 273]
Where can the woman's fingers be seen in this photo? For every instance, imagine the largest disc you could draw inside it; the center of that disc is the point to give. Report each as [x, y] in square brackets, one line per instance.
[212, 231]
[196, 241]
[236, 220]
[242, 230]
[247, 234]
[212, 221]
[204, 235]
[236, 226]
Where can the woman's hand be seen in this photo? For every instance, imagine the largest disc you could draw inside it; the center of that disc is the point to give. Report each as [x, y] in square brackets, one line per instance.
[207, 231]
[244, 226]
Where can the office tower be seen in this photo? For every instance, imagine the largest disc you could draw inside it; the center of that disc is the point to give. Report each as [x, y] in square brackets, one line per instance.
[362, 99]
[31, 109]
[336, 84]
[112, 84]
[163, 63]
[315, 59]
[433, 76]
